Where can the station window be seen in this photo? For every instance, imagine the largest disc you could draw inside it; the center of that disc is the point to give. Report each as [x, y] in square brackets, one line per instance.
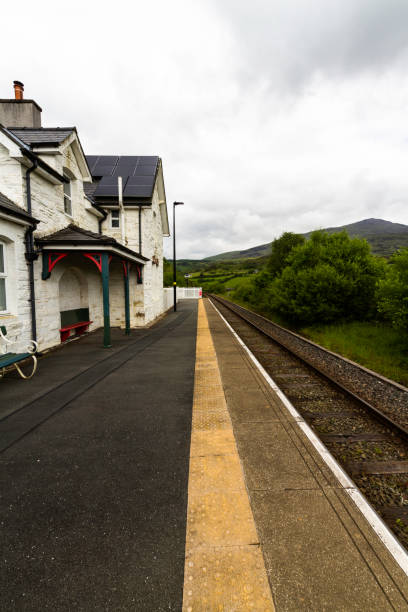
[115, 219]
[3, 278]
[67, 198]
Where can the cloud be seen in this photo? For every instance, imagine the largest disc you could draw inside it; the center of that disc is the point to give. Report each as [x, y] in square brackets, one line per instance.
[269, 116]
[288, 42]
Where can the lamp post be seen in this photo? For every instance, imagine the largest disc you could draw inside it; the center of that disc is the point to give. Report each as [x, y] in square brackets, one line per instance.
[174, 254]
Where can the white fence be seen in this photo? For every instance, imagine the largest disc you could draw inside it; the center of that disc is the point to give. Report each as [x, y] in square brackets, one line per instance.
[183, 293]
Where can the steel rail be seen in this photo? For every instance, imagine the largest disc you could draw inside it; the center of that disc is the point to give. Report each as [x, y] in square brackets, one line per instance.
[378, 414]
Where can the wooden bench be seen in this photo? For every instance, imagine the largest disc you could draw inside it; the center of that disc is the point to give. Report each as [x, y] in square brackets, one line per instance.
[80, 328]
[77, 320]
[9, 359]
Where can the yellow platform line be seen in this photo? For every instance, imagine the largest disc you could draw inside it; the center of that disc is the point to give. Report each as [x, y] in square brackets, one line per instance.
[224, 568]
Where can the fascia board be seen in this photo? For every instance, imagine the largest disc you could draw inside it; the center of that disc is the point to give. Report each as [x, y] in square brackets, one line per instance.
[13, 149]
[86, 247]
[15, 219]
[91, 209]
[47, 176]
[73, 142]
[162, 201]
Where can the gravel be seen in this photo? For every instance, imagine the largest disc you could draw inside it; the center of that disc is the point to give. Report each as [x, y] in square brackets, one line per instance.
[331, 411]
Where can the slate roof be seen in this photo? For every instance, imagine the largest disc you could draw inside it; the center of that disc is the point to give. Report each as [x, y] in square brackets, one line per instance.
[9, 207]
[74, 235]
[89, 189]
[42, 137]
[138, 174]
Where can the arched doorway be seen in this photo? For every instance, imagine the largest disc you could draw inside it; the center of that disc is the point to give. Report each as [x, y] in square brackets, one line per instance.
[73, 298]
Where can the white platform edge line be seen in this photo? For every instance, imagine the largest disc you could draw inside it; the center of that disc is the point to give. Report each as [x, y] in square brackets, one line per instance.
[386, 536]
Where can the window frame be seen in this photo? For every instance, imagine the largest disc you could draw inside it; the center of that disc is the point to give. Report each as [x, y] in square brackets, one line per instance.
[67, 196]
[4, 275]
[116, 211]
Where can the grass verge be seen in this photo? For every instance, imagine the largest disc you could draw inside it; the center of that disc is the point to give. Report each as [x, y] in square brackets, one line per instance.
[376, 346]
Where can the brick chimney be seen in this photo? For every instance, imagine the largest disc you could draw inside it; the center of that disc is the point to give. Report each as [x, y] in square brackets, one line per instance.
[18, 90]
[17, 112]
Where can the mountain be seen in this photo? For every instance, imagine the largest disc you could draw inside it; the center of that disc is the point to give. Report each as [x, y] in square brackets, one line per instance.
[258, 251]
[384, 237]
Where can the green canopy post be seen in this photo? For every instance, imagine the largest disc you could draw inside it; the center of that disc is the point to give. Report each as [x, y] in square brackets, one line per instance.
[105, 291]
[127, 309]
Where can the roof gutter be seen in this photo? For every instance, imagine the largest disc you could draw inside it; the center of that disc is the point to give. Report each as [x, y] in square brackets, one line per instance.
[44, 166]
[25, 149]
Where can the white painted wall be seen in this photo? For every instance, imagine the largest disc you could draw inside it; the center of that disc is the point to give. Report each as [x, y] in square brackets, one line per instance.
[146, 300]
[17, 319]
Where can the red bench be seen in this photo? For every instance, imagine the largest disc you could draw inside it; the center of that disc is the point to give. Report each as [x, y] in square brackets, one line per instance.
[80, 328]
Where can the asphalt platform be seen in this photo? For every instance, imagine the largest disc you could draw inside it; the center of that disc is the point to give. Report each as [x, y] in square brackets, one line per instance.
[94, 472]
[167, 473]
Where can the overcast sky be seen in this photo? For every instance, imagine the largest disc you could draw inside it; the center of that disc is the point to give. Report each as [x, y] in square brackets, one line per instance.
[269, 115]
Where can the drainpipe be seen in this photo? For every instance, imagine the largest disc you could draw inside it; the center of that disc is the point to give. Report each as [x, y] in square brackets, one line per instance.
[100, 221]
[30, 253]
[122, 211]
[140, 229]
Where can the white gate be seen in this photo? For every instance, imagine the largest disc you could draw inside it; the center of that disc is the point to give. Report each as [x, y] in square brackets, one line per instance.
[183, 293]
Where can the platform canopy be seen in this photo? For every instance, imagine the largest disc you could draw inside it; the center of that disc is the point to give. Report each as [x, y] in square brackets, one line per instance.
[100, 250]
[73, 238]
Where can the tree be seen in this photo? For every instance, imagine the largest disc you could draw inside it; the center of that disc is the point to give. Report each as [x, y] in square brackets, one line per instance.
[329, 277]
[281, 249]
[168, 275]
[393, 291]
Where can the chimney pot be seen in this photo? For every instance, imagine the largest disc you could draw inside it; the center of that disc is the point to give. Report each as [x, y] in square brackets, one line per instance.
[18, 90]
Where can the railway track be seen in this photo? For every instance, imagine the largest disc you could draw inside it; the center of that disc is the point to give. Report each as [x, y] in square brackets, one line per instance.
[361, 417]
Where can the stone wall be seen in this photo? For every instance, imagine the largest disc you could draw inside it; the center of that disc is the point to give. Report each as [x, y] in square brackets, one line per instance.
[153, 249]
[48, 199]
[11, 178]
[17, 319]
[146, 300]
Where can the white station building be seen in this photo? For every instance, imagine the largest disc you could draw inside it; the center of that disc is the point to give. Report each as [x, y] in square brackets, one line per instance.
[81, 237]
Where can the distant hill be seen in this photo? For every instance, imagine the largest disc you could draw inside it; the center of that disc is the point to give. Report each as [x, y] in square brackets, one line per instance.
[384, 237]
[258, 251]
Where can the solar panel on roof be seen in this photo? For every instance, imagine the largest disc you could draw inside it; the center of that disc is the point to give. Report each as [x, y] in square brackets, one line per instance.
[124, 169]
[102, 171]
[148, 159]
[138, 191]
[108, 159]
[95, 161]
[108, 187]
[141, 180]
[138, 174]
[91, 159]
[147, 170]
[129, 158]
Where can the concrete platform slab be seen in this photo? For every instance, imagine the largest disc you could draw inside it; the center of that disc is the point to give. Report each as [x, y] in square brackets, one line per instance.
[224, 568]
[320, 552]
[267, 464]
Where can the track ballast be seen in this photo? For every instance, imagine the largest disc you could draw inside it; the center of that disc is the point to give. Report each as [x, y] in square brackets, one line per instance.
[360, 416]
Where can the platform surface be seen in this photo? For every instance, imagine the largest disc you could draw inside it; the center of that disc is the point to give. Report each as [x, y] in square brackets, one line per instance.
[94, 480]
[165, 474]
[319, 551]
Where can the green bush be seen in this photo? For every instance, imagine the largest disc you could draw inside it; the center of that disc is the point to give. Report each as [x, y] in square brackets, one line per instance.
[393, 291]
[281, 248]
[330, 277]
[244, 290]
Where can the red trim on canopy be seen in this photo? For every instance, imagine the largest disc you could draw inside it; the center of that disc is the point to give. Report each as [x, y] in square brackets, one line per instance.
[53, 259]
